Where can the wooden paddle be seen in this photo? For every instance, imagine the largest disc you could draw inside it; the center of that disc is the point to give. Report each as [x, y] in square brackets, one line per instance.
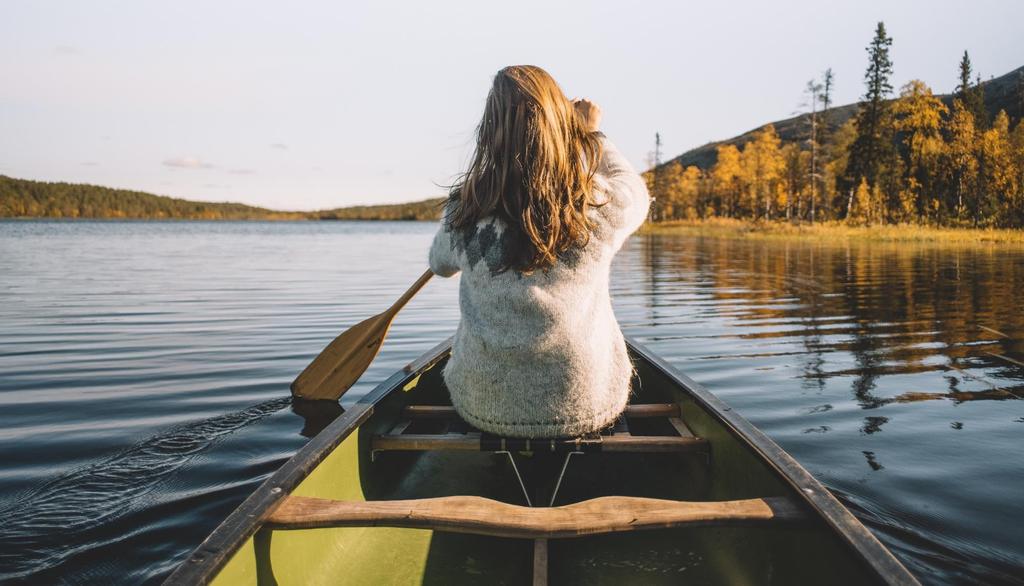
[345, 359]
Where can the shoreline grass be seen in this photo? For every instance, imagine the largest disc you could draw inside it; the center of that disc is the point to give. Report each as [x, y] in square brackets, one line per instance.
[908, 233]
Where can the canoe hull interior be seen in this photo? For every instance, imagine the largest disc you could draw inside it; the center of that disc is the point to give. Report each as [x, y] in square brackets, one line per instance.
[780, 554]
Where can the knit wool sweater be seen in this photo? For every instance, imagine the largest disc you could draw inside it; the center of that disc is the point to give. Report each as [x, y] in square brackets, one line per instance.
[541, 355]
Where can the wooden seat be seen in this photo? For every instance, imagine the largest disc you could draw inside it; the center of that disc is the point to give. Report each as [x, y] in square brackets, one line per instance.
[483, 516]
[458, 435]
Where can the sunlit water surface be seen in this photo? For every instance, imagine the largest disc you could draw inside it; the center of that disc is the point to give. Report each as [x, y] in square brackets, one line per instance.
[144, 371]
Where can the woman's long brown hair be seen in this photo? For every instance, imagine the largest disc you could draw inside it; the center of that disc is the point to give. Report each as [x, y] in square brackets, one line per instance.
[533, 167]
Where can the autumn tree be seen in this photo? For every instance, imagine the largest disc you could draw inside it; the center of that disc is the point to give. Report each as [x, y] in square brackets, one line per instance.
[670, 191]
[761, 166]
[1015, 203]
[835, 198]
[997, 180]
[962, 161]
[797, 181]
[859, 208]
[690, 189]
[726, 180]
[918, 119]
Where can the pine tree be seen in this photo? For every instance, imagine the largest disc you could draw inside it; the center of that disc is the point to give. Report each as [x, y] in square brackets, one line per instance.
[963, 89]
[828, 84]
[981, 117]
[873, 149]
[814, 91]
[1020, 96]
[824, 185]
[972, 96]
[656, 186]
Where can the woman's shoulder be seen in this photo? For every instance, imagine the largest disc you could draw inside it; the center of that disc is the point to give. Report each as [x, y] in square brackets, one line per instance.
[620, 196]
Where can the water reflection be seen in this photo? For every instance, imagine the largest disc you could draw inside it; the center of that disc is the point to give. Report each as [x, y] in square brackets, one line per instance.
[891, 371]
[894, 309]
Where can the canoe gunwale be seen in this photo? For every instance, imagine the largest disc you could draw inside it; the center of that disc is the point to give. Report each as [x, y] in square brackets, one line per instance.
[206, 560]
[870, 550]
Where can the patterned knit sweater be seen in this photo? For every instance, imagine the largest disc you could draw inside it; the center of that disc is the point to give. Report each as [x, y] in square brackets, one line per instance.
[541, 355]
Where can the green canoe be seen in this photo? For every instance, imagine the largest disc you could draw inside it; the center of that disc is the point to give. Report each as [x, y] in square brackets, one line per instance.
[399, 490]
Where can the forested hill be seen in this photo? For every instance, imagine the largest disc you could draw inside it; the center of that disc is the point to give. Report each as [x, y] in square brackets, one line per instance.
[1001, 93]
[22, 198]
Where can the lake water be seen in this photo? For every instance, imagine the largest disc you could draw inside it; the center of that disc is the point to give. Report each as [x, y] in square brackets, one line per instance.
[144, 371]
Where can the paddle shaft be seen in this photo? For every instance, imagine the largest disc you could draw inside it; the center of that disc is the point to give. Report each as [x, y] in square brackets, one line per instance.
[347, 357]
[420, 282]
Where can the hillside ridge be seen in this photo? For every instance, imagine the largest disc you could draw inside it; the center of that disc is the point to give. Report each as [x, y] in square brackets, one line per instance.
[999, 95]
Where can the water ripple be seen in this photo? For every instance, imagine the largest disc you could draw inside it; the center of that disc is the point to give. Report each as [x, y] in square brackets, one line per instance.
[52, 522]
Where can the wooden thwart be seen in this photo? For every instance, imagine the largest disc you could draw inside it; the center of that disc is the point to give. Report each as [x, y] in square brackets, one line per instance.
[618, 439]
[622, 442]
[643, 410]
[483, 516]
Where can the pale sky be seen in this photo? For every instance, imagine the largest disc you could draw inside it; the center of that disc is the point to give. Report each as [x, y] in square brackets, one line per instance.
[308, 105]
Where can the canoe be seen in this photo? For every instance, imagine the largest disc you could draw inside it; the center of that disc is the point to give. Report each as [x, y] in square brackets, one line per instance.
[399, 490]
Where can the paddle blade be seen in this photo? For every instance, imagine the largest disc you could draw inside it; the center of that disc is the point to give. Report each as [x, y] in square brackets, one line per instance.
[344, 360]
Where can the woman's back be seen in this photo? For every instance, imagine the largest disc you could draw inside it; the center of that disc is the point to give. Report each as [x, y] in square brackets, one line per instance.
[539, 353]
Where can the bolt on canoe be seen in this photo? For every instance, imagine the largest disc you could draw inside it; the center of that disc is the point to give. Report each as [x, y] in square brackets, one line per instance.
[399, 490]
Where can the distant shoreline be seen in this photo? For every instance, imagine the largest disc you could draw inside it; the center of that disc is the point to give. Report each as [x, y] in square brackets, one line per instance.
[833, 231]
[228, 220]
[28, 199]
[828, 232]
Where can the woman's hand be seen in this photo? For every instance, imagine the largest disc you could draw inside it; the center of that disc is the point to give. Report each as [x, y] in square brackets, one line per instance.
[590, 112]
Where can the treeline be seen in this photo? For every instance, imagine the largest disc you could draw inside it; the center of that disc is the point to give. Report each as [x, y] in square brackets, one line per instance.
[23, 198]
[429, 209]
[908, 159]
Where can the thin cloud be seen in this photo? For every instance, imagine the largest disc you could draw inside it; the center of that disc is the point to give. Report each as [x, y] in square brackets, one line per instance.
[241, 171]
[279, 146]
[90, 164]
[187, 163]
[66, 50]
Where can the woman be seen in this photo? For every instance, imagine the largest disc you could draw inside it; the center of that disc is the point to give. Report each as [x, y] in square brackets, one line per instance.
[533, 226]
